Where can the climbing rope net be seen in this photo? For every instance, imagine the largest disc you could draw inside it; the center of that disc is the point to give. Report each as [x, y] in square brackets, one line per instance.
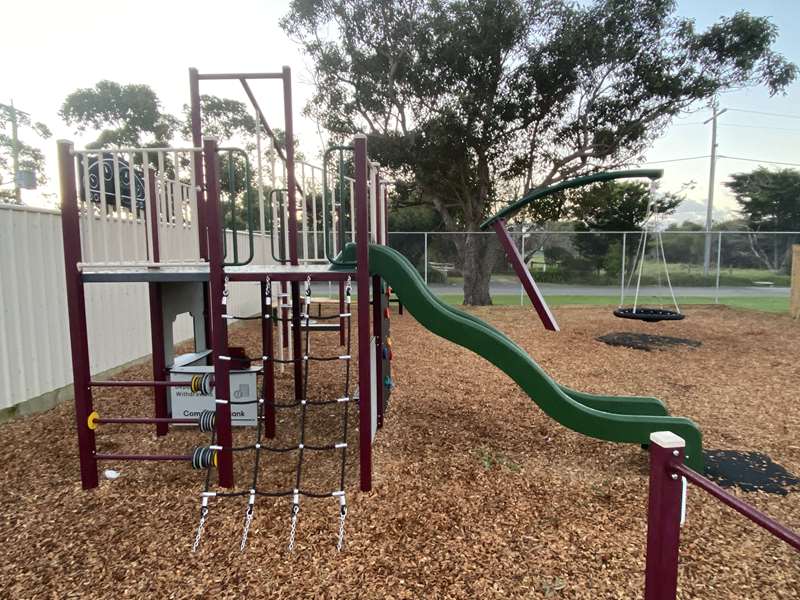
[205, 455]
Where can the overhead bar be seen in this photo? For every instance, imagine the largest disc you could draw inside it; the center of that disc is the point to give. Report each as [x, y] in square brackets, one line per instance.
[240, 75]
[541, 192]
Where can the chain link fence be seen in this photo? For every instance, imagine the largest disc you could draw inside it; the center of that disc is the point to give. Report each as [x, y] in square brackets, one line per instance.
[743, 268]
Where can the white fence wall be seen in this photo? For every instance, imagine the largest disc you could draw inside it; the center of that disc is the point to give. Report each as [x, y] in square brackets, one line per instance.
[35, 353]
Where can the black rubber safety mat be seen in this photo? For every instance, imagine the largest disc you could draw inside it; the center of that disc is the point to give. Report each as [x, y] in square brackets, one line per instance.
[749, 471]
[644, 341]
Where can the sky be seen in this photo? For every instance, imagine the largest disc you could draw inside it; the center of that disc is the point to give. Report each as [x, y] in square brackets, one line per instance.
[56, 47]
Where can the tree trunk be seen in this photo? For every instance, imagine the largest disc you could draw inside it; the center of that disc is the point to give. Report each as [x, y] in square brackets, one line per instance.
[479, 252]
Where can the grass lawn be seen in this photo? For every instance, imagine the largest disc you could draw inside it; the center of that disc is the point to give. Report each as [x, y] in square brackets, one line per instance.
[681, 274]
[762, 303]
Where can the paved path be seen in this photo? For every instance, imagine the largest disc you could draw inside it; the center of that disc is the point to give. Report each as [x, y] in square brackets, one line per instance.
[554, 289]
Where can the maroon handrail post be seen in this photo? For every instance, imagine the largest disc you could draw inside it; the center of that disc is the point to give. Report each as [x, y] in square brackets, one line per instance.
[515, 258]
[219, 328]
[663, 516]
[76, 311]
[267, 348]
[363, 281]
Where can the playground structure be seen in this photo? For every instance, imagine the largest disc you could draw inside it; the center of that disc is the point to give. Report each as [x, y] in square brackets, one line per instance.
[337, 236]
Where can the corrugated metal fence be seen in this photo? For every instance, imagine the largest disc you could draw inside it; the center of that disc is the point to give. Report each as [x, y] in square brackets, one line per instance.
[34, 338]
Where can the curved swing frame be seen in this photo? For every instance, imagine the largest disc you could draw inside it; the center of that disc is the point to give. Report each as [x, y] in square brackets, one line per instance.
[649, 315]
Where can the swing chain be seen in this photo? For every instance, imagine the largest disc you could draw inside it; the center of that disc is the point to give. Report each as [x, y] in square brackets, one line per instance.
[295, 511]
[342, 517]
[248, 520]
[200, 526]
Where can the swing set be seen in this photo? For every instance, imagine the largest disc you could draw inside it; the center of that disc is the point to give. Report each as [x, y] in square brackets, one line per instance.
[652, 226]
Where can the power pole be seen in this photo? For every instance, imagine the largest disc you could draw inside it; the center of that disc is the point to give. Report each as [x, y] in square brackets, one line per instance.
[15, 153]
[13, 117]
[711, 180]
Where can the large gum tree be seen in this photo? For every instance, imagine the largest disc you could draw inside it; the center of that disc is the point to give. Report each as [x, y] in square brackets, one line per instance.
[473, 101]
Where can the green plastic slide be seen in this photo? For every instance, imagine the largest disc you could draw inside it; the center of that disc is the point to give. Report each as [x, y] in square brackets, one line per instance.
[611, 418]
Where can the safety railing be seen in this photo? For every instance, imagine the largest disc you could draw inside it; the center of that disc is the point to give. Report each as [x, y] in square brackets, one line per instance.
[137, 205]
[666, 511]
[325, 208]
[236, 200]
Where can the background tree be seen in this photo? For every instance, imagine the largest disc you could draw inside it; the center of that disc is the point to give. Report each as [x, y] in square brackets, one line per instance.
[473, 99]
[125, 115]
[769, 201]
[614, 206]
[30, 157]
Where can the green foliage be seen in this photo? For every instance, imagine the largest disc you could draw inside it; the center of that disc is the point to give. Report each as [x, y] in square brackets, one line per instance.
[222, 118]
[30, 156]
[613, 206]
[769, 201]
[468, 100]
[125, 115]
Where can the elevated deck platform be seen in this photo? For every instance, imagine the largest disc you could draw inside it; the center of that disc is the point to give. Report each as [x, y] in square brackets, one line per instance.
[132, 273]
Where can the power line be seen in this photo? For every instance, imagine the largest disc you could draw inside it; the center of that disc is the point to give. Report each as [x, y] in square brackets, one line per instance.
[670, 160]
[769, 114]
[759, 127]
[769, 162]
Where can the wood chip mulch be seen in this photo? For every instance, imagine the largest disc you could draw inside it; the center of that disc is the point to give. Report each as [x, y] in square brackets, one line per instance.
[476, 493]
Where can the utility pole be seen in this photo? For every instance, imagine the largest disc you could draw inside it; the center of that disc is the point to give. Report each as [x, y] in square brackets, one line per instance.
[15, 153]
[711, 179]
[13, 117]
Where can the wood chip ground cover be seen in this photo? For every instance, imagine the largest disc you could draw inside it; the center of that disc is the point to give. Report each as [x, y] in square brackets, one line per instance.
[476, 494]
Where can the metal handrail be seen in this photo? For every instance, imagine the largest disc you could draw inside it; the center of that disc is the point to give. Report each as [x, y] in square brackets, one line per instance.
[275, 228]
[328, 152]
[248, 205]
[753, 514]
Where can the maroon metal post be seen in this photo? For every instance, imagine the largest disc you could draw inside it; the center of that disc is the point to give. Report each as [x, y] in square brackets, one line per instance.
[663, 516]
[147, 457]
[139, 383]
[290, 179]
[219, 338]
[156, 313]
[76, 312]
[377, 331]
[297, 351]
[153, 217]
[267, 348]
[202, 227]
[197, 142]
[363, 281]
[525, 277]
[143, 421]
[159, 358]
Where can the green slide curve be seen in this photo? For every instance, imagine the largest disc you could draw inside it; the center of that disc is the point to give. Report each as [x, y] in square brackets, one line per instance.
[610, 418]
